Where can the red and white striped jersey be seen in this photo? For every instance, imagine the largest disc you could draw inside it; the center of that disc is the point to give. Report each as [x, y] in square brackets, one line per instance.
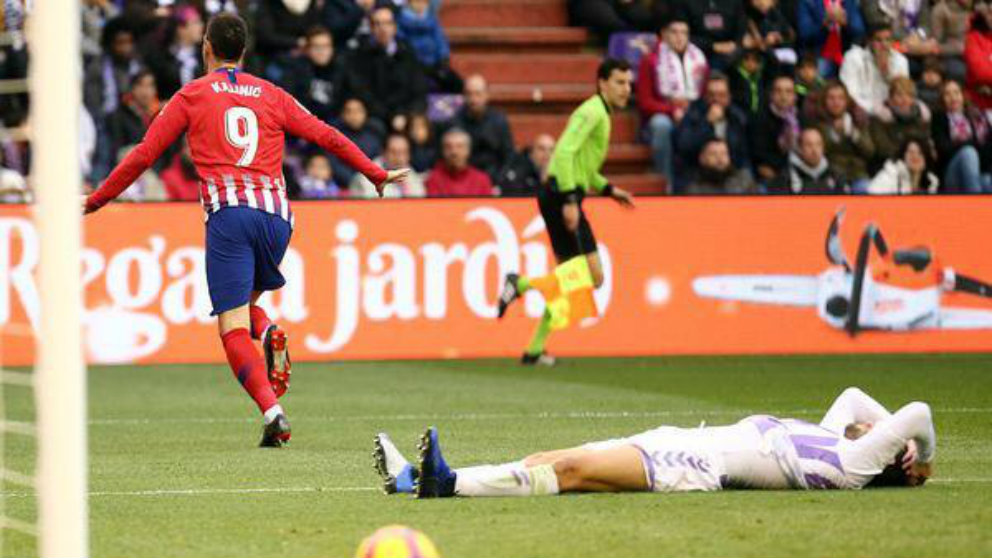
[236, 126]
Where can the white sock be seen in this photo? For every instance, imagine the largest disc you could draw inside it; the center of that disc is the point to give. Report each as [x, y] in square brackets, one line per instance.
[272, 413]
[509, 479]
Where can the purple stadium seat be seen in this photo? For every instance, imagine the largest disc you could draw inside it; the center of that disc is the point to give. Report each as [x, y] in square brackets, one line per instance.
[442, 107]
[631, 47]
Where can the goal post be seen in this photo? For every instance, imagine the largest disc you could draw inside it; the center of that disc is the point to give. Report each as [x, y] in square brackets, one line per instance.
[60, 382]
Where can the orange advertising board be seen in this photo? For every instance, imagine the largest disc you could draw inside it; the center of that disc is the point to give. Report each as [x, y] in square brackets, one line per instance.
[419, 279]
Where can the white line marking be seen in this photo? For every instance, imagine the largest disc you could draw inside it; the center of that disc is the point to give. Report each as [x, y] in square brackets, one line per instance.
[319, 489]
[504, 416]
[213, 491]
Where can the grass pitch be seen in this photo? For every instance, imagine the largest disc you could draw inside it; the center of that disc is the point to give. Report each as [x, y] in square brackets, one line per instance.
[174, 470]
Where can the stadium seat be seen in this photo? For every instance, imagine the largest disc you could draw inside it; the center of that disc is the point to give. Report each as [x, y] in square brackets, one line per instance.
[631, 47]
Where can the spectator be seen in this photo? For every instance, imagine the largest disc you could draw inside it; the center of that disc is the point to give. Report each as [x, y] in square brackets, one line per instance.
[317, 79]
[775, 133]
[87, 143]
[809, 170]
[867, 71]
[769, 31]
[977, 53]
[146, 188]
[717, 27]
[180, 180]
[385, 74]
[354, 124]
[964, 148]
[420, 27]
[127, 125]
[492, 141]
[716, 174]
[901, 119]
[847, 144]
[828, 28]
[179, 62]
[317, 182]
[281, 26]
[13, 185]
[909, 21]
[396, 156]
[423, 152]
[94, 15]
[809, 85]
[110, 75]
[344, 18]
[605, 17]
[931, 83]
[670, 77]
[453, 175]
[750, 80]
[528, 169]
[949, 25]
[906, 173]
[712, 117]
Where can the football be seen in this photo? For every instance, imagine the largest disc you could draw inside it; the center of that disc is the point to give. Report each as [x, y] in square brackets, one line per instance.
[397, 541]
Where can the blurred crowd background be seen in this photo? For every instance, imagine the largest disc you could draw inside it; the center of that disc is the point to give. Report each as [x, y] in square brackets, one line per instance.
[732, 96]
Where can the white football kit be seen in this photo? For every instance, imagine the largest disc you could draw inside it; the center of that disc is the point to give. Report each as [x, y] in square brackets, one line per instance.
[765, 452]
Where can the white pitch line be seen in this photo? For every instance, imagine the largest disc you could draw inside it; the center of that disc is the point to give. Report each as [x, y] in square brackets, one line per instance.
[505, 416]
[317, 490]
[214, 491]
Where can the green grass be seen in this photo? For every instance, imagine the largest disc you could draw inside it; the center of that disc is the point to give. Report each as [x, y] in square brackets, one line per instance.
[172, 454]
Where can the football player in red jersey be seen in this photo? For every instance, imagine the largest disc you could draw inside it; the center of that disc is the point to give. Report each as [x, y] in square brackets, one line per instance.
[236, 125]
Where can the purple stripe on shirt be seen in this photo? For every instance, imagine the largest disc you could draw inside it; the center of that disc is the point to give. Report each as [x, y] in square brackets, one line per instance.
[815, 481]
[811, 447]
[764, 422]
[648, 466]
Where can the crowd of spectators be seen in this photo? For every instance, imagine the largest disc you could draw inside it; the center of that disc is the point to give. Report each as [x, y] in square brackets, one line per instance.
[818, 96]
[735, 96]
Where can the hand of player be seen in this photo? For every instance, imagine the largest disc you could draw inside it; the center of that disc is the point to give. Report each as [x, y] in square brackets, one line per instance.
[623, 197]
[82, 201]
[909, 458]
[397, 176]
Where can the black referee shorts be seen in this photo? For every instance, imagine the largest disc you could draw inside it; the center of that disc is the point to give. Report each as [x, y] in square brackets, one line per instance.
[566, 244]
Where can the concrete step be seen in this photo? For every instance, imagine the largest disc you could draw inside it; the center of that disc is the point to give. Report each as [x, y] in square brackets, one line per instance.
[641, 183]
[503, 13]
[517, 40]
[527, 126]
[555, 98]
[529, 69]
[627, 158]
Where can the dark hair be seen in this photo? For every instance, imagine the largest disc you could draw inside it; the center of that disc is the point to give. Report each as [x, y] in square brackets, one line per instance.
[318, 30]
[978, 22]
[610, 65]
[228, 36]
[140, 75]
[808, 59]
[878, 27]
[717, 75]
[893, 475]
[111, 29]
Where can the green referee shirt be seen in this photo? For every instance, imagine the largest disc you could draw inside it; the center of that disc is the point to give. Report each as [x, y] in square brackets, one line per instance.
[581, 149]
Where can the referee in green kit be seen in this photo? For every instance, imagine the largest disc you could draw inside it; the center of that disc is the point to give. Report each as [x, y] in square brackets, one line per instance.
[574, 173]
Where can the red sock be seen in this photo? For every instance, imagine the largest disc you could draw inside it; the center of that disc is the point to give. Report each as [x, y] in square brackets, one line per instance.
[249, 367]
[259, 321]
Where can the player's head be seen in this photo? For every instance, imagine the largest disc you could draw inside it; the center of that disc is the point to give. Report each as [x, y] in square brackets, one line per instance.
[895, 475]
[226, 40]
[614, 78]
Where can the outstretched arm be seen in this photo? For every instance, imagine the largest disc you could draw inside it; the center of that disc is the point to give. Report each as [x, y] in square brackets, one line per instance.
[301, 123]
[853, 405]
[171, 121]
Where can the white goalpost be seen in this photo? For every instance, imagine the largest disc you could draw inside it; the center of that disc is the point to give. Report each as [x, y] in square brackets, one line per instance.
[60, 375]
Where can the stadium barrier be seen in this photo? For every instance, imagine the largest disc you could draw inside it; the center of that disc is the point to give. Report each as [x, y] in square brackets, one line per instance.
[419, 279]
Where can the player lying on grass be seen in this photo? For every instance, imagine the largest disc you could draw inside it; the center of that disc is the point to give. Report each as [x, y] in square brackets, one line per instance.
[857, 444]
[236, 124]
